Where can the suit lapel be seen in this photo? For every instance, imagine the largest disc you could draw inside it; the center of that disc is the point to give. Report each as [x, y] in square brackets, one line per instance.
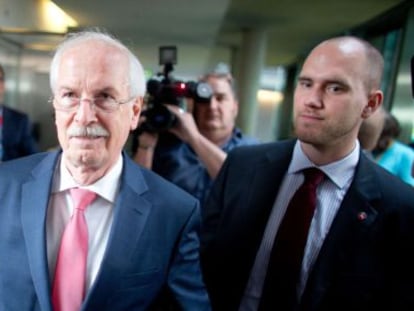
[130, 215]
[34, 202]
[266, 182]
[355, 216]
[266, 179]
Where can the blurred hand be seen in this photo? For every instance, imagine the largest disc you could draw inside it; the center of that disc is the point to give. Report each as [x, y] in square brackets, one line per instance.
[186, 128]
[146, 139]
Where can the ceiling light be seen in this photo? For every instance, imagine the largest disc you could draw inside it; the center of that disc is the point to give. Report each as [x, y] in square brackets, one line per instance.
[55, 19]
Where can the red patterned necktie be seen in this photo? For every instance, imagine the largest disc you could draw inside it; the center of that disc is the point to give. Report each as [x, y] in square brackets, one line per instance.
[69, 284]
[280, 287]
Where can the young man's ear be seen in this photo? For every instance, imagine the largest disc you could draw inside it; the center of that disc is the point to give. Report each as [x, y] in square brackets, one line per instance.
[374, 102]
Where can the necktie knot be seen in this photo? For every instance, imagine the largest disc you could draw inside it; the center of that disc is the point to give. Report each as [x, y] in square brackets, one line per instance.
[82, 197]
[313, 176]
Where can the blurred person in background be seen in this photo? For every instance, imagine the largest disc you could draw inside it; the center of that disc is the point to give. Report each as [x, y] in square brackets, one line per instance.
[192, 152]
[16, 132]
[392, 154]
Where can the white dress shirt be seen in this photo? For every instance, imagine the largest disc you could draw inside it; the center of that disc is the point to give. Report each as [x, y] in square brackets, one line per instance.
[329, 197]
[99, 216]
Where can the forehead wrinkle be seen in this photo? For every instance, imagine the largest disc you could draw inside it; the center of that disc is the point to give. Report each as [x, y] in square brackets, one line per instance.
[341, 69]
[98, 68]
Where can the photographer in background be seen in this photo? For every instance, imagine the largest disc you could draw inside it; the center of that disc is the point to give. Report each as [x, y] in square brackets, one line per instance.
[191, 153]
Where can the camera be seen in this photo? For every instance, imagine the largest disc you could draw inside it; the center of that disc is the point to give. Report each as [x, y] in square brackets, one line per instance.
[164, 89]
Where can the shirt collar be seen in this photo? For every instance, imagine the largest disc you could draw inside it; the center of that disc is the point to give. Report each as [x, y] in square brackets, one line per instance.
[339, 172]
[236, 136]
[106, 187]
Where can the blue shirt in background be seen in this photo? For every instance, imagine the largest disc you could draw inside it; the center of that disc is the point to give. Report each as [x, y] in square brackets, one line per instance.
[398, 159]
[177, 162]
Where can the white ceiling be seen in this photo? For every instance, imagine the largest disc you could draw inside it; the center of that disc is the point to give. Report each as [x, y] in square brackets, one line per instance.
[205, 31]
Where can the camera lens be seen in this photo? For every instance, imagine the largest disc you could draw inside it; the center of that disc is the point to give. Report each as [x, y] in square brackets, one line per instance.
[203, 93]
[204, 90]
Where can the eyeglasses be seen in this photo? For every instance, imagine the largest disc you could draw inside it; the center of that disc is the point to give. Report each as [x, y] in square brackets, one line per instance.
[101, 103]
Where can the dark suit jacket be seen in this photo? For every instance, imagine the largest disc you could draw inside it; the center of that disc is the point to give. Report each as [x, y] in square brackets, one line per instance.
[152, 248]
[17, 136]
[364, 264]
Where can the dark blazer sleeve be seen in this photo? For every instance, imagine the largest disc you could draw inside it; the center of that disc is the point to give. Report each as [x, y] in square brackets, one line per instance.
[185, 280]
[156, 232]
[234, 218]
[366, 260]
[18, 137]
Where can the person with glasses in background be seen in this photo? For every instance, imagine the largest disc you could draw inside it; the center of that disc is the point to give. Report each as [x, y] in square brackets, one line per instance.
[191, 153]
[16, 132]
[84, 227]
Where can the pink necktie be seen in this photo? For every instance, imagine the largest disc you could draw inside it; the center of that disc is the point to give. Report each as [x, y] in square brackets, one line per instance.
[69, 284]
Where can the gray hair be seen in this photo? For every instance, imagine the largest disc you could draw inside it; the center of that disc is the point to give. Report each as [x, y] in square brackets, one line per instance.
[224, 76]
[136, 81]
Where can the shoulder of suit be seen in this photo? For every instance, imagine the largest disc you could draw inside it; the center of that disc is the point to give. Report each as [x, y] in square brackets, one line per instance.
[14, 112]
[261, 148]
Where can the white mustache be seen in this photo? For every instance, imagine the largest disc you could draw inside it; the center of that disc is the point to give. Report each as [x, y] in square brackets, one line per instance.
[87, 131]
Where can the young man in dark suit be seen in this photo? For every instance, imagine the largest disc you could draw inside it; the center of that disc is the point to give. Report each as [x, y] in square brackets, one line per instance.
[358, 248]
